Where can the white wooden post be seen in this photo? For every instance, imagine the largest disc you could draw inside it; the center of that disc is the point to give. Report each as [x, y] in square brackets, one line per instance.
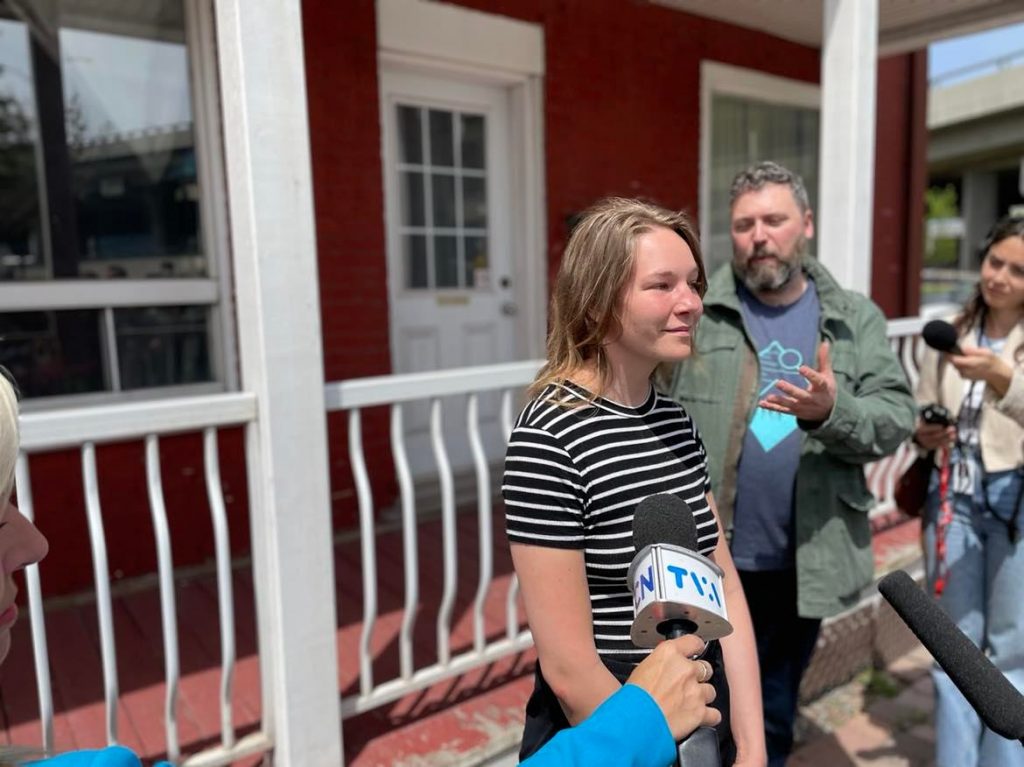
[273, 244]
[849, 62]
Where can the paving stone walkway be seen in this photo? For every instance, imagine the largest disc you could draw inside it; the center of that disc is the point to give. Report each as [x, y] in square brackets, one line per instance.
[859, 724]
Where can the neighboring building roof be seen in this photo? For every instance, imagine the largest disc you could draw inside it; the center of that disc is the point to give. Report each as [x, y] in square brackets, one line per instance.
[977, 122]
[1000, 91]
[903, 25]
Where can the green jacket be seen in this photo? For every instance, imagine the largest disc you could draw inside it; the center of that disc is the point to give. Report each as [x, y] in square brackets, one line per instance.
[874, 412]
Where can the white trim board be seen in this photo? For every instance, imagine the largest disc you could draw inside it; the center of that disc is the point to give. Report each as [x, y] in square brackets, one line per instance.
[459, 36]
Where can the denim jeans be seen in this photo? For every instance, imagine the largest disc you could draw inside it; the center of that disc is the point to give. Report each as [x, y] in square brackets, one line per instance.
[785, 642]
[984, 595]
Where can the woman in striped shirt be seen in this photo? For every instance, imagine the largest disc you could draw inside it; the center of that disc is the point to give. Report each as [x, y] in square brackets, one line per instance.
[596, 439]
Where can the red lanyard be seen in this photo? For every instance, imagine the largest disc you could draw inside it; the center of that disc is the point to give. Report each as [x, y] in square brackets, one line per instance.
[942, 525]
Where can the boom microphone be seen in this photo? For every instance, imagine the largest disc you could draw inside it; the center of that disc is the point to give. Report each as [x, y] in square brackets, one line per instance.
[676, 591]
[941, 336]
[997, 702]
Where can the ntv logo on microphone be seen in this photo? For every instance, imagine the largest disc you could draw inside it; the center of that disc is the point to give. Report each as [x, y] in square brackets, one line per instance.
[698, 584]
[670, 582]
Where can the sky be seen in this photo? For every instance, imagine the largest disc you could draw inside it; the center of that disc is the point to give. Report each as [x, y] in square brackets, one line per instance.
[958, 52]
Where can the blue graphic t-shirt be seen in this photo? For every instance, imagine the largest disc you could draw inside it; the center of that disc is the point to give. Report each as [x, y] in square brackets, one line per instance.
[785, 338]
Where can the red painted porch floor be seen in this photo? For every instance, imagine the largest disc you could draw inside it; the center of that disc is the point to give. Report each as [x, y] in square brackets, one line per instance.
[443, 724]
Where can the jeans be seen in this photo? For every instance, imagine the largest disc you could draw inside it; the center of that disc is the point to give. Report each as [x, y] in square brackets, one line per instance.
[984, 595]
[785, 642]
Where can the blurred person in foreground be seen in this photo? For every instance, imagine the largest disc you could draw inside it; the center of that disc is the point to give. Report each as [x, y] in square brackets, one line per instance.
[974, 560]
[21, 544]
[794, 388]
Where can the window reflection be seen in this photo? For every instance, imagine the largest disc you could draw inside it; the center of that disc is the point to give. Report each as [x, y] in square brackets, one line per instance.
[54, 353]
[746, 131]
[162, 345]
[96, 130]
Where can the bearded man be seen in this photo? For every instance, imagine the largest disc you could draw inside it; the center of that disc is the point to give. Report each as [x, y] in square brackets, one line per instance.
[794, 388]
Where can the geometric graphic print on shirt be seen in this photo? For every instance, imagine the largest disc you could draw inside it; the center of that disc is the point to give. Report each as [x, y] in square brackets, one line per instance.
[574, 476]
[777, 363]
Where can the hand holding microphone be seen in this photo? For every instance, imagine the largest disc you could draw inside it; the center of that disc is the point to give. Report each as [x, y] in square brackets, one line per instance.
[676, 592]
[679, 685]
[974, 364]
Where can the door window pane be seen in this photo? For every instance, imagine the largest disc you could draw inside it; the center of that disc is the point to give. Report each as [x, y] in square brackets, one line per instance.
[743, 132]
[415, 247]
[474, 202]
[443, 188]
[105, 119]
[410, 132]
[477, 266]
[472, 141]
[413, 201]
[446, 262]
[442, 139]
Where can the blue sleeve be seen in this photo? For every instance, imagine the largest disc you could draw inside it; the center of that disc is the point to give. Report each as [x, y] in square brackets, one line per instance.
[627, 730]
[114, 756]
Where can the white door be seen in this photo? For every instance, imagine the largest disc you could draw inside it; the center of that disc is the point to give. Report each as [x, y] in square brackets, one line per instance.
[447, 188]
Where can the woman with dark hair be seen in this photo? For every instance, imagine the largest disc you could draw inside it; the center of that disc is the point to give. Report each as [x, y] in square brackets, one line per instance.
[973, 557]
[595, 440]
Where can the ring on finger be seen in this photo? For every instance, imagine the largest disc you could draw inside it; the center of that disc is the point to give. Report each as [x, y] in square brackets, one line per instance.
[705, 671]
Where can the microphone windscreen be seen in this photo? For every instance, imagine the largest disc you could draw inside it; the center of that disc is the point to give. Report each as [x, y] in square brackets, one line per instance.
[997, 702]
[664, 518]
[940, 335]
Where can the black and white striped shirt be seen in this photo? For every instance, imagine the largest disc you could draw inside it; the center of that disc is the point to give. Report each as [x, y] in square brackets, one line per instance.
[575, 473]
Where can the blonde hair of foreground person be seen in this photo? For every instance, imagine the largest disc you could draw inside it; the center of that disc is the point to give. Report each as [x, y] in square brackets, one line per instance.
[10, 755]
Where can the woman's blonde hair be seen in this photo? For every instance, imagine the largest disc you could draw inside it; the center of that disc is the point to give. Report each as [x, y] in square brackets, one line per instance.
[598, 261]
[8, 438]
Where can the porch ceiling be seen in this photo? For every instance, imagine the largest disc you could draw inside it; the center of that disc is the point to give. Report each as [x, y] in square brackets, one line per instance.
[904, 25]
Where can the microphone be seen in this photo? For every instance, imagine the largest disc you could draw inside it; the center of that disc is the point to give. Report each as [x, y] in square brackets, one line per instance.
[676, 591]
[997, 702]
[941, 336]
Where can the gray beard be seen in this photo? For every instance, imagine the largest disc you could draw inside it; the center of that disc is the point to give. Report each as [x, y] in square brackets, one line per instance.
[768, 278]
[771, 279]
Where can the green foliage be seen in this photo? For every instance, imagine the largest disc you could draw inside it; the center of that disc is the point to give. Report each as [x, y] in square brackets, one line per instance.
[881, 684]
[942, 202]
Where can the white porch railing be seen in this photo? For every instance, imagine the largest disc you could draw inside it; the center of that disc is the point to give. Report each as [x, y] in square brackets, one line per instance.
[83, 429]
[399, 392]
[905, 340]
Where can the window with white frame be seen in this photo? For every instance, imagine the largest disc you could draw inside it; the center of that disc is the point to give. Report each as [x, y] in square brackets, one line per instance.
[748, 117]
[444, 197]
[109, 258]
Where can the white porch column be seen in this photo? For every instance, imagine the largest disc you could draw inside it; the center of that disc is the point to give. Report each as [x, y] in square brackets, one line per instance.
[849, 59]
[273, 243]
